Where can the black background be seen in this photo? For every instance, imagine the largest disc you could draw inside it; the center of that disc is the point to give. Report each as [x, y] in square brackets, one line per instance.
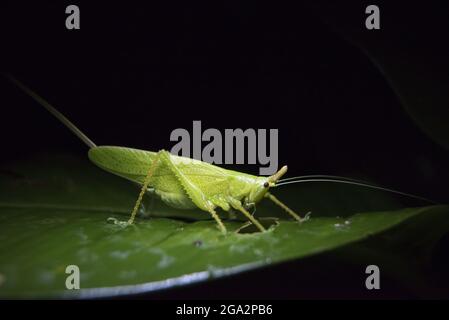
[135, 71]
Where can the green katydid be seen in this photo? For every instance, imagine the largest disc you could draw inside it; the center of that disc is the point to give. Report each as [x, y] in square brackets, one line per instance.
[186, 183]
[180, 182]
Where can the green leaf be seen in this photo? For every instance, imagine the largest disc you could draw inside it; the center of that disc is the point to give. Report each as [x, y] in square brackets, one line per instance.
[54, 214]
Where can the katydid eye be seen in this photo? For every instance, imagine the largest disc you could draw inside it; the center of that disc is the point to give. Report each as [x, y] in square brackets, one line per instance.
[266, 185]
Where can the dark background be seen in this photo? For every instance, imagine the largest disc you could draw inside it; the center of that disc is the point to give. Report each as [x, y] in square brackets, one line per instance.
[135, 71]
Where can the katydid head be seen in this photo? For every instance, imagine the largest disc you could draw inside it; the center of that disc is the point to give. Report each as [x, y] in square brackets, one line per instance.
[263, 185]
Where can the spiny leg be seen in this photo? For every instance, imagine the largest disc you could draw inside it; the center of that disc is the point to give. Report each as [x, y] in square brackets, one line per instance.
[141, 194]
[237, 205]
[287, 209]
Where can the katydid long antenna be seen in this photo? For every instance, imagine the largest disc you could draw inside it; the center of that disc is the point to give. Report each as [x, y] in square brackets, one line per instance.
[52, 110]
[350, 181]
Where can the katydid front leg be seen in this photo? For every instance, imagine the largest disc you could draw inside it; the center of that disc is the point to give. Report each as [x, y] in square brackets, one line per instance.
[287, 209]
[236, 204]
